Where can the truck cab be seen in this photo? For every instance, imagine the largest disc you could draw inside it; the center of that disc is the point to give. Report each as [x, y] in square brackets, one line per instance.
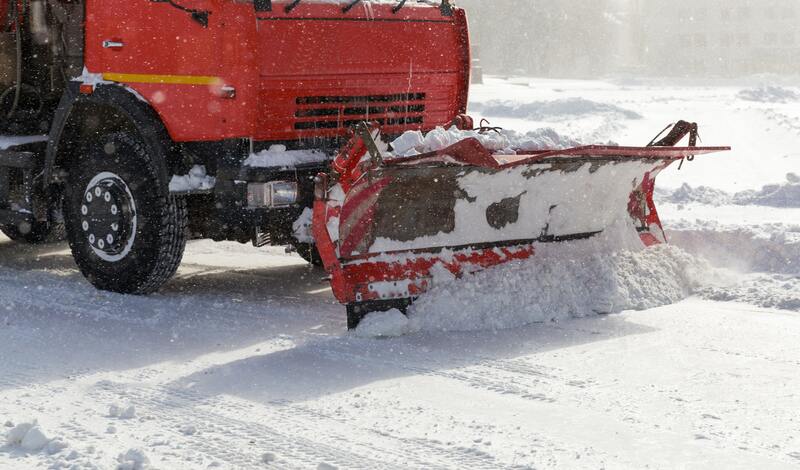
[160, 121]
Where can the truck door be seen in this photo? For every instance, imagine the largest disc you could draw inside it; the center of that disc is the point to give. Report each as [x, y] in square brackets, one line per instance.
[167, 51]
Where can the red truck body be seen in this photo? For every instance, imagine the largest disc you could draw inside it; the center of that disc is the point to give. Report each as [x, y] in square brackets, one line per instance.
[309, 73]
[154, 108]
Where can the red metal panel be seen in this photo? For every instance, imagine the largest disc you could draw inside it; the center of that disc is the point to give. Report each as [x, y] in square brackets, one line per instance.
[274, 58]
[164, 41]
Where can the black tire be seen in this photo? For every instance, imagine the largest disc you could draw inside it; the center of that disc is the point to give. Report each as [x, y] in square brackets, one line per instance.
[116, 190]
[309, 252]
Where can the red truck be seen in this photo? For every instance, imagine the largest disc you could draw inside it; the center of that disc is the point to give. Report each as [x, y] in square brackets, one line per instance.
[102, 102]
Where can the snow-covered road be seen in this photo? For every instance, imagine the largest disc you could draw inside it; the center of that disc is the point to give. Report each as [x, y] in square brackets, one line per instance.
[243, 362]
[220, 375]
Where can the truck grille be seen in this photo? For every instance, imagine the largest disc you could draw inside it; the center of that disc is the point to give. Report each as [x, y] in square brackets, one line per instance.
[335, 112]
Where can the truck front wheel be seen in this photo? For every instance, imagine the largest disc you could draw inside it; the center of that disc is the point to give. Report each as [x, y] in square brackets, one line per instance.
[126, 233]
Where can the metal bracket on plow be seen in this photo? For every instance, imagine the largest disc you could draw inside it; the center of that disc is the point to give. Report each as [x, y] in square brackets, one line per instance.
[679, 130]
[364, 131]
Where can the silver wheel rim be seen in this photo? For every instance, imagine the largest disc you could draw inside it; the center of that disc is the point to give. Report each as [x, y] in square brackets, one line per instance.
[108, 217]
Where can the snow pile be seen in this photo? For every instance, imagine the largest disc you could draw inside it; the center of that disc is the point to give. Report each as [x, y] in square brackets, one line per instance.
[769, 94]
[31, 438]
[786, 194]
[116, 411]
[133, 459]
[503, 141]
[383, 325]
[687, 194]
[773, 248]
[561, 281]
[197, 179]
[770, 291]
[556, 110]
[277, 156]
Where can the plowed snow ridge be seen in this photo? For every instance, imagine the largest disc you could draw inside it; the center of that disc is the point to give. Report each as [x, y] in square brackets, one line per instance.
[573, 280]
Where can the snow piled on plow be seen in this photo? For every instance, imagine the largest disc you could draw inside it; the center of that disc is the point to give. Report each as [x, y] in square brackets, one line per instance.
[565, 280]
[498, 141]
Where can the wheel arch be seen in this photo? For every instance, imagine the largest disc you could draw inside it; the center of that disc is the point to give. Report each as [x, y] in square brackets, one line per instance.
[110, 108]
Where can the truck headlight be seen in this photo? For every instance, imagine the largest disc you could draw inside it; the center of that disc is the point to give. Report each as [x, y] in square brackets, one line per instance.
[272, 194]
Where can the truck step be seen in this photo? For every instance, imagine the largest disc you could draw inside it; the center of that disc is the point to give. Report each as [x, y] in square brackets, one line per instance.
[13, 159]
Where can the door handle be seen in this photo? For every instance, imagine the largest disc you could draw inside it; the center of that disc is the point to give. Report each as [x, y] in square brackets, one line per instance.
[113, 44]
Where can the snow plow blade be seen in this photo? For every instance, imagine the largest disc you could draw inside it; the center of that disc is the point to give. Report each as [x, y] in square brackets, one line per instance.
[382, 225]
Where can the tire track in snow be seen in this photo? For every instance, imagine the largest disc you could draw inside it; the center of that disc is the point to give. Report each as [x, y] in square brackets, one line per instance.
[172, 408]
[233, 420]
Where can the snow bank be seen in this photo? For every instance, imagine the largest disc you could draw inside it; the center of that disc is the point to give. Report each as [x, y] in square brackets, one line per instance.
[503, 141]
[769, 94]
[786, 194]
[772, 248]
[769, 291]
[687, 194]
[561, 281]
[775, 195]
[555, 110]
[278, 157]
[197, 179]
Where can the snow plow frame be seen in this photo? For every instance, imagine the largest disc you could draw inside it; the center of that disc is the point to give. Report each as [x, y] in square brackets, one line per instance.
[370, 281]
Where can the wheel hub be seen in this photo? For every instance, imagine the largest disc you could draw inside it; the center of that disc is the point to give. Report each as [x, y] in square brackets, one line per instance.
[108, 216]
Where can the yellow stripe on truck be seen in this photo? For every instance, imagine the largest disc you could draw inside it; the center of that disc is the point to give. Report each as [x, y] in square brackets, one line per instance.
[165, 79]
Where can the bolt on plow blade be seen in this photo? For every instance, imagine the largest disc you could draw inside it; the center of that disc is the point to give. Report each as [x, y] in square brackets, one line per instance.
[463, 209]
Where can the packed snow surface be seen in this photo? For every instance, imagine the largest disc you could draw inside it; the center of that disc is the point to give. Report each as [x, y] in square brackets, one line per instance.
[242, 360]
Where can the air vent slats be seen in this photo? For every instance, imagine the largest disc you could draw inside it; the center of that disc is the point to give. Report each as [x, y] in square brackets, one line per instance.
[333, 112]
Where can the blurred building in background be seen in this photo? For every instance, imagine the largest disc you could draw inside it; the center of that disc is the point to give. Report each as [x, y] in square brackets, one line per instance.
[542, 37]
[691, 38]
[717, 37]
